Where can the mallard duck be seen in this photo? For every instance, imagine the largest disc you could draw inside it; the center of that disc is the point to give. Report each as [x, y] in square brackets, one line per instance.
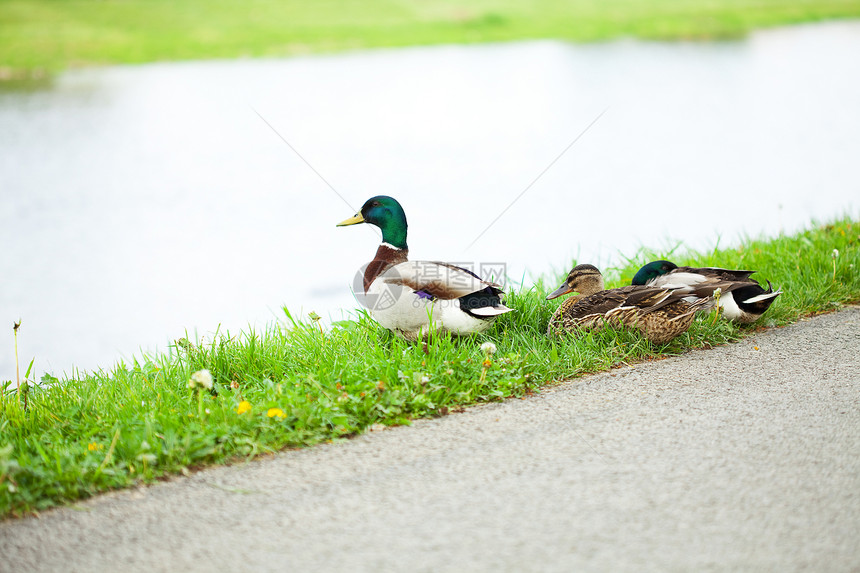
[741, 298]
[659, 314]
[413, 297]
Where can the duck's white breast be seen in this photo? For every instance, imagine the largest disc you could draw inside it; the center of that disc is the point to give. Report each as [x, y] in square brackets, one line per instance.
[400, 309]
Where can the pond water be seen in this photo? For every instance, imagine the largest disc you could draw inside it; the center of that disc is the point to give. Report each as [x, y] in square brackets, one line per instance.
[139, 202]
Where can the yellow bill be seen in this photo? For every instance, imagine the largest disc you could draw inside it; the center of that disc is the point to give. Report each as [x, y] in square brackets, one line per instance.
[352, 220]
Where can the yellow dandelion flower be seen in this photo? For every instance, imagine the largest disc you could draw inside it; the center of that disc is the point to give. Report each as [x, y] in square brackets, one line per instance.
[93, 447]
[244, 406]
[276, 412]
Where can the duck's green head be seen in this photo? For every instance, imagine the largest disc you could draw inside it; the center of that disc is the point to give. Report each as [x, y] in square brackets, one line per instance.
[387, 214]
[653, 270]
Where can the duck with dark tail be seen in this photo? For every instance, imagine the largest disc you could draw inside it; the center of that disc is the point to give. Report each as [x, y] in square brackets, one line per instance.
[741, 299]
[413, 298]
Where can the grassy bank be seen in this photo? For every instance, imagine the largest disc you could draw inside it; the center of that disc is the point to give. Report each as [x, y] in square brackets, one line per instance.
[296, 384]
[43, 36]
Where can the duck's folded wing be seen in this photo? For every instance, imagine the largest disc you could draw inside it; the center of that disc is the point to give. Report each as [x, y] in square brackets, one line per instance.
[708, 288]
[717, 273]
[680, 280]
[455, 268]
[438, 280]
[609, 300]
[700, 285]
[649, 299]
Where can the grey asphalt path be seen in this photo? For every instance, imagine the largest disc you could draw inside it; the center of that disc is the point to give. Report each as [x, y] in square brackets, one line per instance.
[744, 457]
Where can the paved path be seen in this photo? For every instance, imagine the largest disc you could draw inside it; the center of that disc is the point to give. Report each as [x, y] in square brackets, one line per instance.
[744, 457]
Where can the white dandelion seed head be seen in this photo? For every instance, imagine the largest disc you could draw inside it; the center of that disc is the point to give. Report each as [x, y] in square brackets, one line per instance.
[835, 253]
[202, 378]
[488, 348]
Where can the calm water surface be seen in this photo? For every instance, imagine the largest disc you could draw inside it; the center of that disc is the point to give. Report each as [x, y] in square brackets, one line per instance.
[139, 202]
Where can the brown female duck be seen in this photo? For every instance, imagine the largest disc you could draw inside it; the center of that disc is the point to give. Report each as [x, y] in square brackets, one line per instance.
[658, 314]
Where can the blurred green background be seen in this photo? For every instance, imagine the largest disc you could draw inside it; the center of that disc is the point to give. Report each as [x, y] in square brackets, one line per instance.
[44, 36]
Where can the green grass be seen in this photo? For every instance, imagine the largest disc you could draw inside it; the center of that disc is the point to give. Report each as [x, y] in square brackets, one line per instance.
[139, 422]
[38, 36]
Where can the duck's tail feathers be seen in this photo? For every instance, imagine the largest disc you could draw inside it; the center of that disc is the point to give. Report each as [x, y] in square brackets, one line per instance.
[766, 295]
[488, 311]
